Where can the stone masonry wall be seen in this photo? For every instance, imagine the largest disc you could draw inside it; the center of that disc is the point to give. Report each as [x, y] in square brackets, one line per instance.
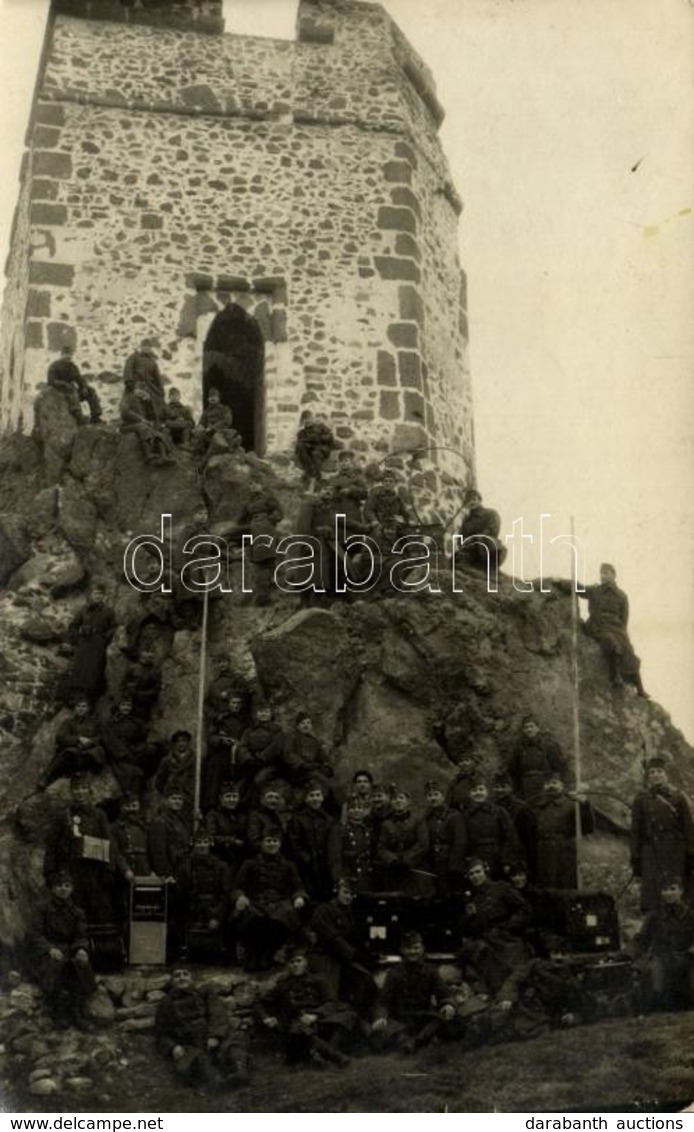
[172, 172]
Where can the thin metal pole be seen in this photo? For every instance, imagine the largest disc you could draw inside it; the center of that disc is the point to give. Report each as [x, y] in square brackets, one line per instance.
[575, 702]
[201, 713]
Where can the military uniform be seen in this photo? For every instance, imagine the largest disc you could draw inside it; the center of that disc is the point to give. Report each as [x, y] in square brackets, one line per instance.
[351, 854]
[532, 759]
[63, 374]
[77, 843]
[412, 994]
[229, 832]
[142, 367]
[296, 995]
[339, 958]
[271, 884]
[168, 838]
[189, 1017]
[446, 853]
[90, 632]
[489, 833]
[662, 841]
[555, 864]
[667, 936]
[314, 443]
[67, 983]
[308, 831]
[79, 748]
[608, 616]
[259, 752]
[494, 926]
[402, 848]
[482, 525]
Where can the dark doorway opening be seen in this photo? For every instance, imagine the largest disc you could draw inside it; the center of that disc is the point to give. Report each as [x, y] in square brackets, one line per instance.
[233, 360]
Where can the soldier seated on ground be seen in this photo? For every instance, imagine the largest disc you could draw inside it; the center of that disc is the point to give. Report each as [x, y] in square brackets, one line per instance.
[311, 1023]
[65, 376]
[414, 1005]
[215, 428]
[665, 940]
[482, 549]
[539, 995]
[79, 747]
[385, 508]
[494, 926]
[178, 420]
[193, 1033]
[59, 954]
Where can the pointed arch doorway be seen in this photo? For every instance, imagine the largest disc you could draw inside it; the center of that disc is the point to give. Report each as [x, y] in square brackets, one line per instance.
[233, 361]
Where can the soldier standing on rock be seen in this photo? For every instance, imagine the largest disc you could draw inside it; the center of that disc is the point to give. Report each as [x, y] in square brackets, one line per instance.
[608, 616]
[314, 443]
[90, 633]
[662, 835]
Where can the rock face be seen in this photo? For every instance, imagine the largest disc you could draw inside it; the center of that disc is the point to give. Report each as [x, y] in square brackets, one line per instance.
[399, 685]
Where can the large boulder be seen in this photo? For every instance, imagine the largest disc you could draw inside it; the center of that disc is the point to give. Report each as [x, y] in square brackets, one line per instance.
[55, 429]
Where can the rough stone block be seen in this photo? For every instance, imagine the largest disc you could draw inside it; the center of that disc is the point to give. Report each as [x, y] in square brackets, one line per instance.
[199, 282]
[61, 334]
[49, 164]
[200, 95]
[51, 214]
[406, 197]
[404, 335]
[45, 137]
[390, 267]
[42, 189]
[33, 335]
[389, 406]
[411, 305]
[49, 113]
[51, 274]
[402, 149]
[151, 220]
[414, 407]
[410, 368]
[279, 326]
[399, 219]
[409, 436]
[407, 245]
[385, 368]
[38, 304]
[399, 172]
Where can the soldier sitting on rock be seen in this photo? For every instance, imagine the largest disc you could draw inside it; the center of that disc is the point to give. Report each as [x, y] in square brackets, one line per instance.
[193, 1033]
[666, 938]
[215, 428]
[259, 518]
[59, 953]
[308, 831]
[260, 749]
[138, 416]
[414, 1004]
[385, 509]
[141, 368]
[228, 828]
[310, 1022]
[482, 549]
[178, 420]
[65, 376]
[304, 757]
[79, 747]
[268, 898]
[314, 444]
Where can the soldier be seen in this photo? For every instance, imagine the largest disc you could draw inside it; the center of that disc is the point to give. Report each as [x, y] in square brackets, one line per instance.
[203, 887]
[662, 835]
[143, 683]
[125, 739]
[65, 376]
[260, 749]
[349, 490]
[260, 517]
[458, 792]
[308, 832]
[540, 995]
[192, 1031]
[267, 817]
[445, 836]
[168, 836]
[138, 416]
[89, 634]
[402, 849]
[314, 443]
[384, 507]
[608, 617]
[489, 832]
[131, 837]
[141, 368]
[339, 957]
[301, 1008]
[79, 747]
[496, 919]
[178, 767]
[79, 842]
[59, 951]
[304, 758]
[482, 549]
[521, 814]
[351, 848]
[228, 828]
[216, 428]
[178, 420]
[535, 753]
[666, 938]
[227, 724]
[268, 897]
[379, 809]
[414, 1002]
[555, 815]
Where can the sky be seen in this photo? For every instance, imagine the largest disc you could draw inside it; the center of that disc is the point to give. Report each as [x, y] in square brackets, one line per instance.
[569, 129]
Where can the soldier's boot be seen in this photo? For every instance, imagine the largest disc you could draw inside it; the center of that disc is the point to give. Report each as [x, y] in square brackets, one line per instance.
[328, 1053]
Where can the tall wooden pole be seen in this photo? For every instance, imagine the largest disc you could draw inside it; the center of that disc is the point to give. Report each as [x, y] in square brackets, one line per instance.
[575, 702]
[201, 713]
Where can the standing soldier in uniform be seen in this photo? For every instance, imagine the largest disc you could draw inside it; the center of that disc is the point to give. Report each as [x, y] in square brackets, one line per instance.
[535, 753]
[555, 814]
[489, 832]
[351, 847]
[445, 835]
[65, 376]
[662, 835]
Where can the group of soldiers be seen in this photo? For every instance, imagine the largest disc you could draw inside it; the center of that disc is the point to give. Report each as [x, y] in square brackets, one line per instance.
[270, 858]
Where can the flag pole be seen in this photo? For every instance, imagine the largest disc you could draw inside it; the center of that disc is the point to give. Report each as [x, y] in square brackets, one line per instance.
[575, 702]
[201, 712]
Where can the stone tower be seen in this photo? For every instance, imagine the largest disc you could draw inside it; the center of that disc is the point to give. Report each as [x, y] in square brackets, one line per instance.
[278, 216]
